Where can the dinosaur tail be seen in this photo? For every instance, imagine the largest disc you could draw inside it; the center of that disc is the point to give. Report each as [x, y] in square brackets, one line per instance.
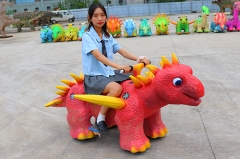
[174, 23]
[60, 101]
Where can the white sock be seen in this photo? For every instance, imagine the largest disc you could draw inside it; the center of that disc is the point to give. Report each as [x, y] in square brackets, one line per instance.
[100, 117]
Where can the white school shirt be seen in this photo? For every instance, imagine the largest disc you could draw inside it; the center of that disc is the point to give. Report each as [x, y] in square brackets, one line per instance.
[91, 41]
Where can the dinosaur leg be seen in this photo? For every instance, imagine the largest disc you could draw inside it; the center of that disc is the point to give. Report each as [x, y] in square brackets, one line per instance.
[178, 30]
[132, 137]
[199, 28]
[154, 127]
[2, 31]
[78, 118]
[206, 30]
[186, 29]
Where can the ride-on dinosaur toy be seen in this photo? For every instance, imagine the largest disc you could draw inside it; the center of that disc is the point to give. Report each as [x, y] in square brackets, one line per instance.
[161, 21]
[130, 29]
[182, 25]
[144, 28]
[201, 24]
[114, 26]
[137, 111]
[219, 23]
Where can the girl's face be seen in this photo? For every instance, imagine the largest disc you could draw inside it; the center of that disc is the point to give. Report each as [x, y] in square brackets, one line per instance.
[98, 18]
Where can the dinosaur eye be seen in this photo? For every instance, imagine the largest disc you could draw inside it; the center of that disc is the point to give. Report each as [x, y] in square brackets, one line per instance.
[177, 81]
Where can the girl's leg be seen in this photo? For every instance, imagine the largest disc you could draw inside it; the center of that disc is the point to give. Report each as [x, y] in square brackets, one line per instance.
[113, 89]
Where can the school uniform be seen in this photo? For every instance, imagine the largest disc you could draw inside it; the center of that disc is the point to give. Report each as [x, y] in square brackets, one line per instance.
[96, 74]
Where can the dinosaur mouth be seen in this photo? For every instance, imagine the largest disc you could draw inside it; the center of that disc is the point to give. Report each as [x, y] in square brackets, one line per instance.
[195, 101]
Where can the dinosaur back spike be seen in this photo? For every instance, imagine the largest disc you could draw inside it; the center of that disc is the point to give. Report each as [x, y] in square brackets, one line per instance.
[61, 93]
[79, 79]
[67, 82]
[55, 102]
[174, 59]
[111, 102]
[152, 68]
[137, 83]
[145, 80]
[63, 88]
[166, 63]
[149, 74]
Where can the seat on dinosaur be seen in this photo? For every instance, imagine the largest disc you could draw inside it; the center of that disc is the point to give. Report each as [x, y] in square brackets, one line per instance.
[137, 111]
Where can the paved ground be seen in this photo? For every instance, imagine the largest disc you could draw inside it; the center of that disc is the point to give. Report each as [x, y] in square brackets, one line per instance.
[30, 70]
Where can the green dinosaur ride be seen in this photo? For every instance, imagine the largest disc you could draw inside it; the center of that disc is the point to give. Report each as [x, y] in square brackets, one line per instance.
[201, 23]
[58, 33]
[182, 25]
[161, 21]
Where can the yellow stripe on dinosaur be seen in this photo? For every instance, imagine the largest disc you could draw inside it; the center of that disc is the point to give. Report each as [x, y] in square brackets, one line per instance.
[111, 102]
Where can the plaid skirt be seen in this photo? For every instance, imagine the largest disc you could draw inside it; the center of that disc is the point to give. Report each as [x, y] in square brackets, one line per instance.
[96, 84]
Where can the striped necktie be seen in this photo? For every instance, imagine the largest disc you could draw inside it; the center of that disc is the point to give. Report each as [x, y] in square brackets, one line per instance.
[104, 52]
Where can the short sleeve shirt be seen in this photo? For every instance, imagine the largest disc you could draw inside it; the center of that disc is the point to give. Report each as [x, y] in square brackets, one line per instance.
[91, 41]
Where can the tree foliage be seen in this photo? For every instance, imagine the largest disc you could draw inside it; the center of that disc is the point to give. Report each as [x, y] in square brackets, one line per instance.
[72, 4]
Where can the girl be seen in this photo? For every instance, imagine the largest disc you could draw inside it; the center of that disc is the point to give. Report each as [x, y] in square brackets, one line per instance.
[98, 47]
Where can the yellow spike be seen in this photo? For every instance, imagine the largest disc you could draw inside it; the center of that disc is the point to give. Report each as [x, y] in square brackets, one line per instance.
[54, 102]
[137, 69]
[76, 77]
[136, 82]
[174, 59]
[152, 68]
[161, 63]
[111, 102]
[149, 74]
[166, 63]
[67, 82]
[145, 80]
[81, 76]
[63, 88]
[61, 93]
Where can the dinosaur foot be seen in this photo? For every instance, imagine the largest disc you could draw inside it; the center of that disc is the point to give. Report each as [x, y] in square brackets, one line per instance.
[155, 133]
[82, 135]
[206, 31]
[134, 144]
[142, 148]
[179, 33]
[187, 32]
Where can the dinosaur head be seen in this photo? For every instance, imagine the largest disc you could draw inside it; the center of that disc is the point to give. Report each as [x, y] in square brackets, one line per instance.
[114, 25]
[175, 83]
[205, 10]
[129, 26]
[68, 35]
[144, 26]
[44, 32]
[183, 19]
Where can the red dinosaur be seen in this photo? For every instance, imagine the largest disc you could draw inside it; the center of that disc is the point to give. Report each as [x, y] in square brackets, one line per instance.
[137, 110]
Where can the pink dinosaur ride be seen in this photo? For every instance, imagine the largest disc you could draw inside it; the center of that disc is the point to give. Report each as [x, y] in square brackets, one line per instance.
[137, 111]
[233, 23]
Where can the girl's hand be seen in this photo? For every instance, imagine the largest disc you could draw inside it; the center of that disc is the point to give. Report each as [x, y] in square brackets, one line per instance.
[126, 68]
[143, 59]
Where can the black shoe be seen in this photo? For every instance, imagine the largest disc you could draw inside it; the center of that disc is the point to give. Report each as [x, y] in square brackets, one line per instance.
[102, 126]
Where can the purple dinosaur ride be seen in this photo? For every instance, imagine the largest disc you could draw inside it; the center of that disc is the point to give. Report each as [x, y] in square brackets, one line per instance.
[233, 23]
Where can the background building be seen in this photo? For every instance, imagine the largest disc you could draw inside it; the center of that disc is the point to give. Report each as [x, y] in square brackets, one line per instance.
[43, 5]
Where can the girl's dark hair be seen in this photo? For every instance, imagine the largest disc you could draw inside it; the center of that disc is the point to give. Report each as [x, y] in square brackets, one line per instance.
[91, 10]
